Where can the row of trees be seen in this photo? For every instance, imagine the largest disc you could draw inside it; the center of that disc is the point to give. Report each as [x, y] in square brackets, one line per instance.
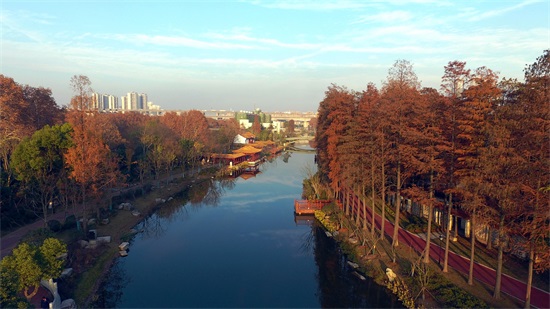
[481, 144]
[61, 157]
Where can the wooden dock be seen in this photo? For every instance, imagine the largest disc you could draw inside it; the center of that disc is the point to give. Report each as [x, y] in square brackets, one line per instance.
[303, 207]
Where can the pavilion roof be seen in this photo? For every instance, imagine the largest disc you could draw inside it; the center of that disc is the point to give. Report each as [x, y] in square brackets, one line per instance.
[248, 135]
[228, 155]
[261, 144]
[247, 150]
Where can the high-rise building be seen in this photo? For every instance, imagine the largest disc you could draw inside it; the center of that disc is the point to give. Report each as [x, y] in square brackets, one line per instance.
[142, 101]
[104, 102]
[124, 103]
[134, 101]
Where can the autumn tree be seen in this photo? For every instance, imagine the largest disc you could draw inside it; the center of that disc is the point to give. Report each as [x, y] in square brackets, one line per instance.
[13, 123]
[93, 165]
[290, 127]
[430, 144]
[368, 133]
[473, 124]
[533, 142]
[222, 137]
[400, 97]
[256, 125]
[455, 79]
[130, 126]
[159, 144]
[334, 113]
[41, 107]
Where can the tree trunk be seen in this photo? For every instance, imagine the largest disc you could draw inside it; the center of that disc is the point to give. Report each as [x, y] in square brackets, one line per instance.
[496, 294]
[448, 233]
[472, 250]
[489, 239]
[430, 218]
[356, 202]
[32, 293]
[383, 206]
[395, 237]
[373, 205]
[364, 206]
[346, 202]
[529, 277]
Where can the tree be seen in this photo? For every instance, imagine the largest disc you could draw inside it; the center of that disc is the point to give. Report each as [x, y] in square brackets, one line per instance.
[454, 81]
[42, 109]
[82, 87]
[38, 163]
[429, 144]
[29, 264]
[400, 99]
[291, 127]
[93, 166]
[222, 138]
[533, 142]
[13, 122]
[256, 125]
[474, 124]
[368, 132]
[158, 142]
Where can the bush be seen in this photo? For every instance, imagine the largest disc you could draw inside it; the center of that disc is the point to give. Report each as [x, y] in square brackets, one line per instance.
[416, 224]
[70, 222]
[54, 225]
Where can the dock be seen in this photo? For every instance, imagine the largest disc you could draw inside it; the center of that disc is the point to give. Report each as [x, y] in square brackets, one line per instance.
[304, 207]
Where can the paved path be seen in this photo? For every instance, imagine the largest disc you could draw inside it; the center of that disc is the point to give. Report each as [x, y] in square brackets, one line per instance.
[485, 274]
[11, 240]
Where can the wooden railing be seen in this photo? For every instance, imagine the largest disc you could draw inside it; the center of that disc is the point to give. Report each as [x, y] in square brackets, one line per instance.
[309, 206]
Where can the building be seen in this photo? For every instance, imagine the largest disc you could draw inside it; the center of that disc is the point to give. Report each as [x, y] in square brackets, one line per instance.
[134, 101]
[245, 138]
[104, 102]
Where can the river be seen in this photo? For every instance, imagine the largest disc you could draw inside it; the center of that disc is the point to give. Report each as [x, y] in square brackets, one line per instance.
[236, 243]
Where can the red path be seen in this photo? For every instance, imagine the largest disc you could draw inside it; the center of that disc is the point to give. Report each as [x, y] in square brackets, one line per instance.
[509, 285]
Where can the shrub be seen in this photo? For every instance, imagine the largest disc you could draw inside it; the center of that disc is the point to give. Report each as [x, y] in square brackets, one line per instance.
[416, 224]
[54, 225]
[70, 222]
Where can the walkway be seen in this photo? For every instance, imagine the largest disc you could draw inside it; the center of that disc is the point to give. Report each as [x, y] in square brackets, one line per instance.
[11, 240]
[485, 274]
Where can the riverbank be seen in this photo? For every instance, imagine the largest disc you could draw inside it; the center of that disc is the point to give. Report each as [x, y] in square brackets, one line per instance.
[414, 277]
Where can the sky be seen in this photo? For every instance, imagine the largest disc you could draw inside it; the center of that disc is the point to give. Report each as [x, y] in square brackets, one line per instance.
[271, 55]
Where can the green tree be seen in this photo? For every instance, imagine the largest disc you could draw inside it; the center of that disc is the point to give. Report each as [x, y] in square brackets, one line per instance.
[38, 163]
[29, 264]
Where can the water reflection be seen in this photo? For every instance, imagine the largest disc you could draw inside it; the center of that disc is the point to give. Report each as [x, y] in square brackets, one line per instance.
[338, 288]
[236, 243]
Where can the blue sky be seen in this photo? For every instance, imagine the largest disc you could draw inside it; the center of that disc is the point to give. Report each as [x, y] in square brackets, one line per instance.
[272, 55]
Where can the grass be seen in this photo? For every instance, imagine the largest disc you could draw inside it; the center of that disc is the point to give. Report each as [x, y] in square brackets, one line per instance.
[90, 280]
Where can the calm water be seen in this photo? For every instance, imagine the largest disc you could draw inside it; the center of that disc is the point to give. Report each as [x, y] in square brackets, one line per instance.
[235, 244]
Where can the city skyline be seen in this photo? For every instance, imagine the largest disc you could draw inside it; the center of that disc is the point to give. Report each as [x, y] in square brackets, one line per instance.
[272, 55]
